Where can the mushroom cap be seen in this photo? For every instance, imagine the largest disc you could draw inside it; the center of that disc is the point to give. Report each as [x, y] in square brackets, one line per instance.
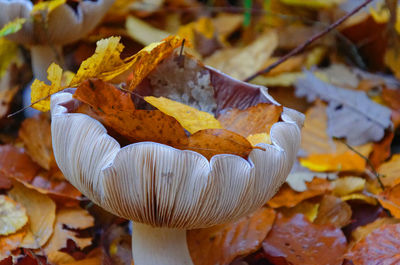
[162, 186]
[65, 24]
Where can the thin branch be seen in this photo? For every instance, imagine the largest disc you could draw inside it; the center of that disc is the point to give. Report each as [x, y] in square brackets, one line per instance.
[309, 41]
[376, 174]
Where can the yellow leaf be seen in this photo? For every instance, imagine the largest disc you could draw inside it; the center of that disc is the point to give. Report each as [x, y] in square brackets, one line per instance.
[41, 211]
[392, 60]
[105, 63]
[308, 209]
[191, 119]
[47, 6]
[41, 91]
[12, 216]
[8, 52]
[347, 161]
[313, 3]
[359, 196]
[259, 138]
[143, 32]
[203, 26]
[347, 185]
[12, 27]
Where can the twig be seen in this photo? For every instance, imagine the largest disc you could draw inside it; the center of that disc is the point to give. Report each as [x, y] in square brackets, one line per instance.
[309, 41]
[376, 174]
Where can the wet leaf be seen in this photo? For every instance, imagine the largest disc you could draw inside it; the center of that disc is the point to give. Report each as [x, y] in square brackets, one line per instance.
[379, 247]
[298, 241]
[41, 211]
[221, 244]
[13, 216]
[253, 120]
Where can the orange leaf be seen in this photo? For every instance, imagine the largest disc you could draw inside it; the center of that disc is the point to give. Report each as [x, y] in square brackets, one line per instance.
[347, 161]
[15, 163]
[221, 244]
[212, 142]
[115, 109]
[298, 241]
[381, 150]
[390, 199]
[289, 198]
[10, 242]
[390, 171]
[379, 247]
[35, 132]
[253, 120]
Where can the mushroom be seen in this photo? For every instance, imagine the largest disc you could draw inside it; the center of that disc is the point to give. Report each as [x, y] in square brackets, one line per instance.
[45, 36]
[165, 191]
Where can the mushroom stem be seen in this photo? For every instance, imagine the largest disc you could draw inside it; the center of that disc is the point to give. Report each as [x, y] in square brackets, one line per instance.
[42, 57]
[159, 246]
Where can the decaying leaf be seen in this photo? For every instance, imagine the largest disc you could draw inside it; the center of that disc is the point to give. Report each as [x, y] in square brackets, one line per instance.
[68, 220]
[221, 244]
[289, 198]
[191, 119]
[254, 120]
[12, 216]
[351, 114]
[379, 247]
[297, 241]
[41, 211]
[308, 209]
[346, 185]
[334, 211]
[15, 163]
[36, 135]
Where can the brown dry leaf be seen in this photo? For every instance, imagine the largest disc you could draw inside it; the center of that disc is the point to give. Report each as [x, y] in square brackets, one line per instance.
[379, 247]
[221, 244]
[67, 219]
[346, 185]
[15, 163]
[390, 199]
[297, 241]
[212, 142]
[35, 132]
[334, 211]
[41, 211]
[324, 153]
[6, 97]
[115, 109]
[390, 171]
[10, 243]
[226, 23]
[290, 198]
[254, 120]
[241, 63]
[12, 216]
